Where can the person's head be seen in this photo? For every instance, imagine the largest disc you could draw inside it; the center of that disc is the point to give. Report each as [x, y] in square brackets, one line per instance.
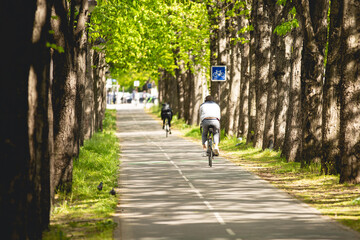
[209, 98]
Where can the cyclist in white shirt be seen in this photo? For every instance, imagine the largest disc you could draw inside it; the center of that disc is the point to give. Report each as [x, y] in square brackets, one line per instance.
[210, 116]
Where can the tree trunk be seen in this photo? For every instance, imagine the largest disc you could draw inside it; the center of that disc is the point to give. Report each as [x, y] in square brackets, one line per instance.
[245, 76]
[262, 33]
[161, 85]
[252, 91]
[188, 88]
[80, 50]
[330, 163]
[282, 77]
[350, 92]
[313, 15]
[64, 99]
[89, 100]
[214, 32]
[197, 93]
[293, 134]
[25, 128]
[223, 59]
[99, 89]
[234, 81]
[181, 82]
[269, 127]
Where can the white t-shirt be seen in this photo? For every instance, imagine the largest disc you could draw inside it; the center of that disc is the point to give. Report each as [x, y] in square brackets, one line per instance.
[209, 109]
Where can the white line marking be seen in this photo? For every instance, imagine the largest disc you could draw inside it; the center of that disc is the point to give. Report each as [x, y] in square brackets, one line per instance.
[167, 156]
[199, 194]
[208, 205]
[219, 218]
[230, 232]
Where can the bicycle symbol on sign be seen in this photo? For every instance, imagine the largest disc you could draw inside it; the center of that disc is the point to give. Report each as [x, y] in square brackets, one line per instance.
[218, 74]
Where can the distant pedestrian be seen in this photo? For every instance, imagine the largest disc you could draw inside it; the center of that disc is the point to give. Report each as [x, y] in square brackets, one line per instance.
[114, 97]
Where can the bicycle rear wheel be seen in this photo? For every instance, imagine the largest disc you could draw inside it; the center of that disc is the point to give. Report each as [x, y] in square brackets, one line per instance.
[167, 128]
[210, 152]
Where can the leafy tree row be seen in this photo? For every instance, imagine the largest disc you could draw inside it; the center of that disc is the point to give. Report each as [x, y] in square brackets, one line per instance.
[52, 98]
[293, 82]
[144, 36]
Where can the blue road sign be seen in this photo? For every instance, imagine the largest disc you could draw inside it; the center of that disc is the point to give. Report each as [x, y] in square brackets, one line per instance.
[218, 73]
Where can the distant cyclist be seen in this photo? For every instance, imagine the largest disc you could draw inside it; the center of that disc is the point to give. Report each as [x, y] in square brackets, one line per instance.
[210, 116]
[166, 113]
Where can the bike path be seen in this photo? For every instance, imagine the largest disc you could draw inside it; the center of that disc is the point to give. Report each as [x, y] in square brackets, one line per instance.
[168, 192]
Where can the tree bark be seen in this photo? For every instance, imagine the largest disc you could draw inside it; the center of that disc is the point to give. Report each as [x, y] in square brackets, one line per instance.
[223, 59]
[89, 100]
[262, 33]
[25, 127]
[313, 15]
[330, 162]
[100, 88]
[80, 51]
[350, 93]
[282, 77]
[214, 32]
[64, 97]
[197, 94]
[234, 81]
[161, 85]
[180, 88]
[252, 91]
[293, 134]
[245, 77]
[269, 127]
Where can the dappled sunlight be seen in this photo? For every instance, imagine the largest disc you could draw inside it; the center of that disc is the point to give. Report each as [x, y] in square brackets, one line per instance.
[168, 191]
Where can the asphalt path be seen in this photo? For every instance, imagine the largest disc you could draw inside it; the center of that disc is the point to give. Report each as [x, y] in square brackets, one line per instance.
[168, 192]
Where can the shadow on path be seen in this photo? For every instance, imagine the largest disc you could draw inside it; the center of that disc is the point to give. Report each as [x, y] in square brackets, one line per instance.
[169, 192]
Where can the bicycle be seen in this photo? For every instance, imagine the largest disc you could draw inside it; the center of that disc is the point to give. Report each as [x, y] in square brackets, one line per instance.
[210, 145]
[167, 127]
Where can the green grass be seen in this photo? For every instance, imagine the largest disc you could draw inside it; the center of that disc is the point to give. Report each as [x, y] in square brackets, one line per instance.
[323, 192]
[86, 213]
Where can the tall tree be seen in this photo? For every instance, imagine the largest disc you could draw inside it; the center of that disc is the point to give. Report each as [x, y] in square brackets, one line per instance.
[234, 72]
[262, 33]
[99, 89]
[68, 87]
[330, 163]
[25, 137]
[243, 28]
[282, 70]
[221, 92]
[250, 138]
[89, 100]
[268, 138]
[197, 94]
[313, 15]
[293, 135]
[80, 52]
[350, 91]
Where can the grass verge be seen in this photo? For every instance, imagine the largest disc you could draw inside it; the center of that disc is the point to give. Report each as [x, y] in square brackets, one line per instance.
[86, 213]
[323, 192]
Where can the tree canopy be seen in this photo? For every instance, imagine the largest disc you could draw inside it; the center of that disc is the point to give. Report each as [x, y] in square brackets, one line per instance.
[142, 37]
